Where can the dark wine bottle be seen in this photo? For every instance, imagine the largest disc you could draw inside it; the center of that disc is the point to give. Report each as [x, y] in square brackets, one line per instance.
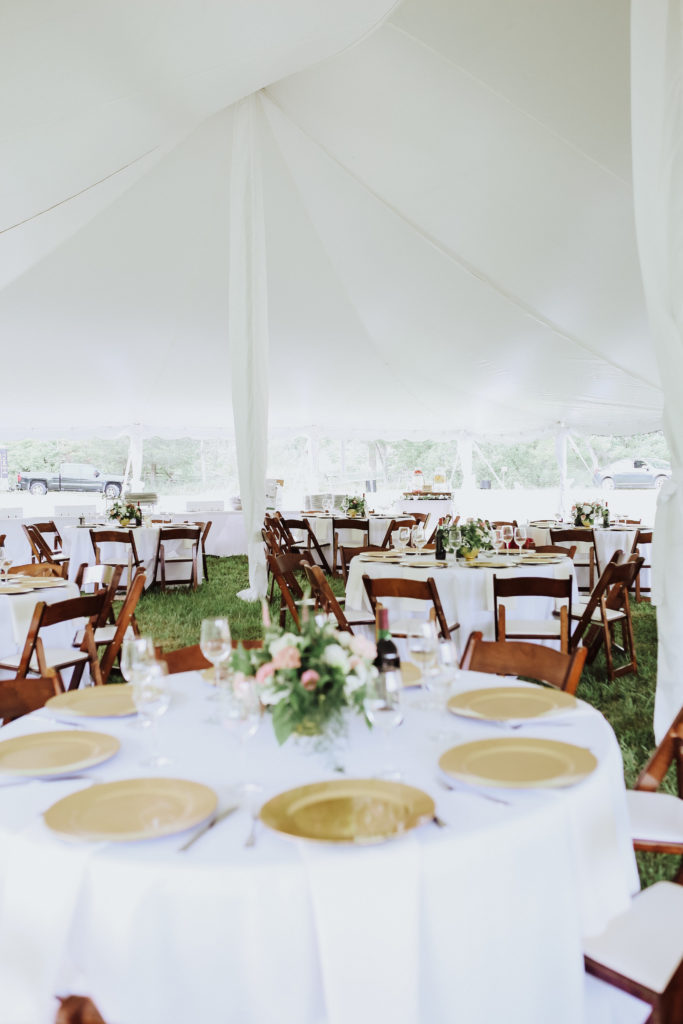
[387, 655]
[440, 545]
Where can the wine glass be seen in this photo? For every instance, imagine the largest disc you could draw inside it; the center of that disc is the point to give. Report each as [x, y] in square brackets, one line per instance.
[382, 705]
[5, 563]
[137, 654]
[418, 537]
[520, 536]
[152, 699]
[422, 650]
[498, 540]
[508, 535]
[401, 538]
[215, 643]
[239, 711]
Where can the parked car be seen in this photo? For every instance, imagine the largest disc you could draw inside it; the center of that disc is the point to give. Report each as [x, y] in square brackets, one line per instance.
[633, 473]
[72, 476]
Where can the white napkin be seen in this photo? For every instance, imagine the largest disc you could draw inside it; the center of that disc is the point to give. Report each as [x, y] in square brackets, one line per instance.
[366, 911]
[42, 879]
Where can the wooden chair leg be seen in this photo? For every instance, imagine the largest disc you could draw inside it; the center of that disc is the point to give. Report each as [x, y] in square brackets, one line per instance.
[564, 630]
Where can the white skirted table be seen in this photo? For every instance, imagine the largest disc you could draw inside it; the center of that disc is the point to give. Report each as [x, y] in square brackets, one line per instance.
[78, 546]
[616, 538]
[480, 920]
[16, 612]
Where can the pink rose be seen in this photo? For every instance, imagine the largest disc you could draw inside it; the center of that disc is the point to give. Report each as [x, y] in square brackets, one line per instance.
[309, 679]
[265, 672]
[288, 657]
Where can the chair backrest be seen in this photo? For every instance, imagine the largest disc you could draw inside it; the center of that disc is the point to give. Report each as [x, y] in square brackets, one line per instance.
[98, 537]
[29, 534]
[581, 537]
[123, 621]
[283, 567]
[519, 658]
[641, 539]
[191, 659]
[40, 548]
[347, 554]
[205, 533]
[192, 533]
[414, 590]
[21, 696]
[44, 615]
[49, 529]
[533, 586]
[45, 569]
[556, 549]
[101, 577]
[497, 523]
[361, 526]
[669, 751]
[310, 541]
[324, 596]
[395, 524]
[612, 588]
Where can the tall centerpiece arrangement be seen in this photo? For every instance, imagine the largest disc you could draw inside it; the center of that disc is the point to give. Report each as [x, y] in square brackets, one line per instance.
[354, 506]
[125, 513]
[585, 513]
[475, 536]
[308, 678]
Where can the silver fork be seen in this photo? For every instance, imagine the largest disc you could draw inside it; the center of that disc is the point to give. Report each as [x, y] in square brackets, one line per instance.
[474, 792]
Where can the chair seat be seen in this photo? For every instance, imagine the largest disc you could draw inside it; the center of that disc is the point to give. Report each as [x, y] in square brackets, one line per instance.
[613, 614]
[55, 657]
[103, 635]
[605, 1004]
[645, 943]
[655, 817]
[533, 627]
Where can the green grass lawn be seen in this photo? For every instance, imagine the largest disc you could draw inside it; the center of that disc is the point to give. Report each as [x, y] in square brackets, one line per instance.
[174, 620]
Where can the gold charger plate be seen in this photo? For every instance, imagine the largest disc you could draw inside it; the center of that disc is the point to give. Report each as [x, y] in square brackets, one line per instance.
[361, 811]
[55, 753]
[15, 590]
[518, 763]
[424, 563]
[132, 809]
[410, 673]
[506, 703]
[507, 564]
[41, 582]
[541, 559]
[113, 701]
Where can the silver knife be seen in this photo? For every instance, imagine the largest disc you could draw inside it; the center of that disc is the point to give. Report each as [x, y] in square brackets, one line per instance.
[207, 827]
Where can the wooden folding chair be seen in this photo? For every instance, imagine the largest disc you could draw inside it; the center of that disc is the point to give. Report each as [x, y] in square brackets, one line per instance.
[309, 541]
[124, 620]
[41, 549]
[100, 537]
[205, 533]
[587, 552]
[172, 535]
[556, 549]
[360, 526]
[77, 1010]
[607, 606]
[656, 817]
[191, 659]
[642, 538]
[36, 659]
[641, 952]
[550, 628]
[51, 535]
[35, 553]
[519, 658]
[414, 590]
[347, 554]
[22, 696]
[283, 568]
[395, 524]
[100, 577]
[325, 599]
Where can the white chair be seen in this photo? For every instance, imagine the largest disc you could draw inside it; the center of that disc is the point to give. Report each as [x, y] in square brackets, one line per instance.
[641, 951]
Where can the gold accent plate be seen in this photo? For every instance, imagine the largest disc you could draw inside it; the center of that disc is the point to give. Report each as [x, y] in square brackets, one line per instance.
[423, 564]
[506, 703]
[509, 563]
[541, 559]
[361, 811]
[132, 809]
[112, 701]
[55, 753]
[40, 582]
[518, 763]
[410, 673]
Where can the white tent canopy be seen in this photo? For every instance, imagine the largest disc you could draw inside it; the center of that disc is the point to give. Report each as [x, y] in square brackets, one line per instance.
[447, 214]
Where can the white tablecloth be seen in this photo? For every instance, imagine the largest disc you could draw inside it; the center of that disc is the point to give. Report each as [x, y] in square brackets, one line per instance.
[607, 542]
[78, 546]
[16, 612]
[466, 594]
[479, 921]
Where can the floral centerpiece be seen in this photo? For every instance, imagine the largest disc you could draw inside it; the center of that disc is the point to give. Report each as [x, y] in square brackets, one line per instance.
[586, 512]
[354, 506]
[124, 512]
[474, 537]
[308, 678]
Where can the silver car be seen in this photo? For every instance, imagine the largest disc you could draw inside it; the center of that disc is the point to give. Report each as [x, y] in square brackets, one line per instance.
[633, 473]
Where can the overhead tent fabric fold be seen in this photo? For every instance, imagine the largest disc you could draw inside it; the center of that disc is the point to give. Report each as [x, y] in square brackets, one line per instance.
[657, 76]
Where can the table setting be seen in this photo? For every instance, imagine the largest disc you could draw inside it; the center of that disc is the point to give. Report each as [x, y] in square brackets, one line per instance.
[503, 827]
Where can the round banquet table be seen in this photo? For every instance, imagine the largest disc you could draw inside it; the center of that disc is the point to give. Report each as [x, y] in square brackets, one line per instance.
[379, 524]
[616, 538]
[466, 593]
[78, 546]
[480, 920]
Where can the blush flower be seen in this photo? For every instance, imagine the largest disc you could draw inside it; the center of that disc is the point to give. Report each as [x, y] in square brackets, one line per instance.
[287, 657]
[265, 672]
[309, 679]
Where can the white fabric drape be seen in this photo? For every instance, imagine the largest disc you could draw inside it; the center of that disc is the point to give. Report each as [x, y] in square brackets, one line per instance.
[657, 116]
[561, 456]
[248, 333]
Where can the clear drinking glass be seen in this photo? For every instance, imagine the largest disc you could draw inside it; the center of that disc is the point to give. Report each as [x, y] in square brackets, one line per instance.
[520, 536]
[137, 654]
[508, 535]
[239, 711]
[401, 538]
[152, 699]
[215, 643]
[382, 704]
[418, 537]
[422, 643]
[498, 541]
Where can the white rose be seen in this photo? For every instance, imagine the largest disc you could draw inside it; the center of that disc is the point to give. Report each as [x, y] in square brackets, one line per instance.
[336, 656]
[353, 683]
[272, 697]
[345, 639]
[280, 642]
[363, 647]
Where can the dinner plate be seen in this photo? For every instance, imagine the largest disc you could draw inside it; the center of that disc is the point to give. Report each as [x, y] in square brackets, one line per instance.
[507, 564]
[43, 583]
[114, 701]
[132, 809]
[410, 673]
[55, 753]
[541, 559]
[423, 564]
[505, 703]
[361, 811]
[518, 763]
[10, 590]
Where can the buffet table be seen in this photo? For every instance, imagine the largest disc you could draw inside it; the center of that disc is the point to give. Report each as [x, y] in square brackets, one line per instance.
[460, 922]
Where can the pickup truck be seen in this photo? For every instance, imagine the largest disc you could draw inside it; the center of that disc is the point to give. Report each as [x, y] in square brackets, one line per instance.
[72, 476]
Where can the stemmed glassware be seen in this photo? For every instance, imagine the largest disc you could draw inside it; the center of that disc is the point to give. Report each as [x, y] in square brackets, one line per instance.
[508, 534]
[419, 537]
[137, 657]
[215, 643]
[152, 699]
[498, 540]
[239, 711]
[520, 536]
[382, 704]
[422, 650]
[401, 538]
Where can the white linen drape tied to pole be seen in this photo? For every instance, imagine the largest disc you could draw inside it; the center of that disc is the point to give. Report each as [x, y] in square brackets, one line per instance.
[657, 130]
[248, 334]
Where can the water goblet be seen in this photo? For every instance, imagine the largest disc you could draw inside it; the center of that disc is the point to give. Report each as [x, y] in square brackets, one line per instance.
[215, 644]
[520, 536]
[508, 535]
[422, 650]
[418, 537]
[382, 705]
[401, 538]
[152, 699]
[498, 541]
[239, 711]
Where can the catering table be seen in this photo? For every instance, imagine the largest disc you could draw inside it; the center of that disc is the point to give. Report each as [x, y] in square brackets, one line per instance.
[480, 920]
[16, 612]
[607, 541]
[78, 546]
[466, 593]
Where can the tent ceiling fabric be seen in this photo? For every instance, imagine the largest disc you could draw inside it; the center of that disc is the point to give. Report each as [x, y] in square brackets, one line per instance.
[448, 213]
